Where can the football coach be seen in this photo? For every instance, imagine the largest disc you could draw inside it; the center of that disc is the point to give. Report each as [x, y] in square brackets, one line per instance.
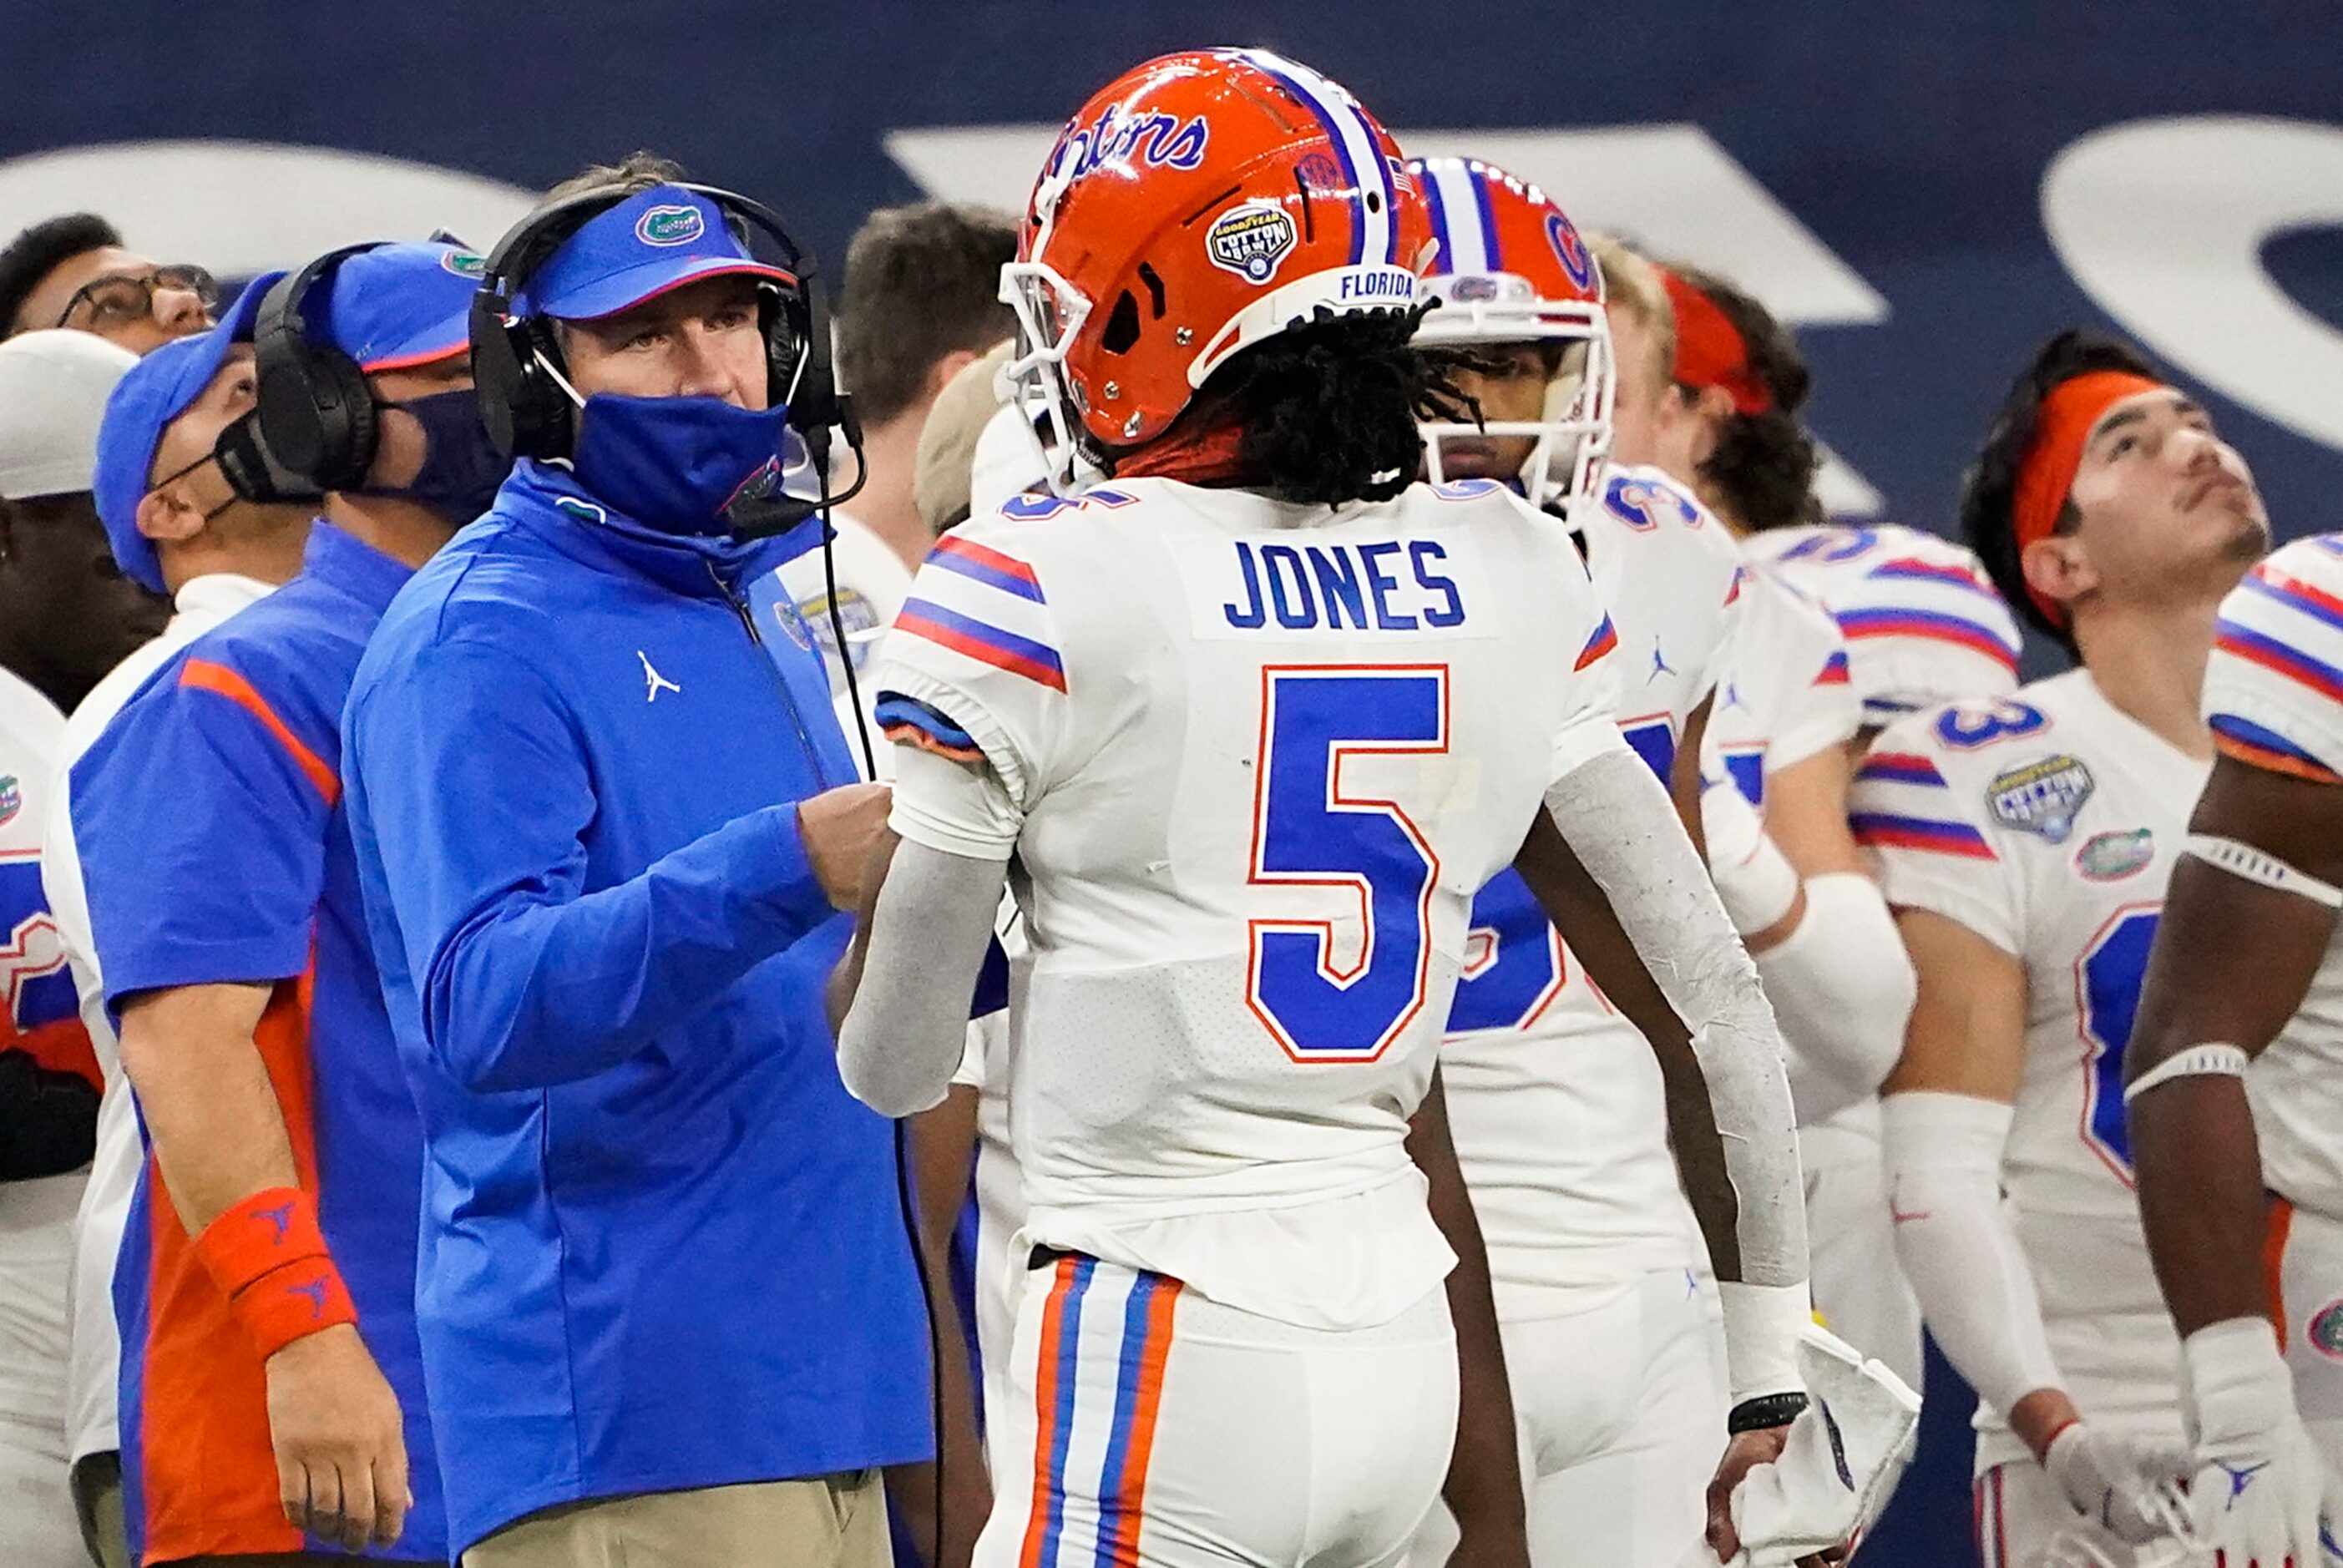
[605, 818]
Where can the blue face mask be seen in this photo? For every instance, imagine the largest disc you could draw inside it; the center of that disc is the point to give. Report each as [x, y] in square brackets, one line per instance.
[462, 466]
[694, 465]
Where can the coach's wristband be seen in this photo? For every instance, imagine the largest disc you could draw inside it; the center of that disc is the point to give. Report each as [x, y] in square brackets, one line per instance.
[268, 1257]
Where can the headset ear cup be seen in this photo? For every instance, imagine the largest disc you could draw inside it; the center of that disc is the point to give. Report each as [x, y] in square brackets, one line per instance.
[540, 410]
[361, 427]
[815, 406]
[494, 371]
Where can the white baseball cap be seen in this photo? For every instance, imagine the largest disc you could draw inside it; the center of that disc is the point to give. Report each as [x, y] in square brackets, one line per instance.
[53, 385]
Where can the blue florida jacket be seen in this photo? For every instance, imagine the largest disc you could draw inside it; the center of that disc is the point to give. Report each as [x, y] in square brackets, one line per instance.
[660, 1243]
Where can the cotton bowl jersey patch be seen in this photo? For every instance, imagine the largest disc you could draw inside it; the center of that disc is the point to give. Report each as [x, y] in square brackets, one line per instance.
[2109, 857]
[2042, 796]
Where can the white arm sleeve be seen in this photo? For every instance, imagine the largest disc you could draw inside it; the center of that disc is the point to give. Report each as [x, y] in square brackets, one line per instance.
[1843, 987]
[1944, 1165]
[907, 1032]
[1623, 828]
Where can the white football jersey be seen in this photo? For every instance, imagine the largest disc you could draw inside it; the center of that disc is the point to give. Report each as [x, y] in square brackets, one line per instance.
[1554, 1100]
[1922, 623]
[2273, 697]
[2049, 824]
[35, 1216]
[1784, 695]
[1265, 756]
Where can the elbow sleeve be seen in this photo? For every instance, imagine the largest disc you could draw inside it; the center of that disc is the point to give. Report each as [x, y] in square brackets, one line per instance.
[1954, 1238]
[1843, 987]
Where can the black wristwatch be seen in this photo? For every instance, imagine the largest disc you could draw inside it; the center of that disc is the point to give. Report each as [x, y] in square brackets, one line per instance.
[1766, 1410]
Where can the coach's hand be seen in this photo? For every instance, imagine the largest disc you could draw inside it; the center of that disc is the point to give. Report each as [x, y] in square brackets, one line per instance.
[840, 829]
[341, 1453]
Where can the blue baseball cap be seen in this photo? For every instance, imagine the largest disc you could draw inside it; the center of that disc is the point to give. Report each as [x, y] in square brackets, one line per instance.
[656, 240]
[150, 395]
[398, 306]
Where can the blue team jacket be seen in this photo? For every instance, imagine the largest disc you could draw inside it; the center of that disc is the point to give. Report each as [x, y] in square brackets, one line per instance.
[660, 1243]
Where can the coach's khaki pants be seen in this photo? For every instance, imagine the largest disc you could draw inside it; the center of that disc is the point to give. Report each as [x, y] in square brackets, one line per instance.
[832, 1521]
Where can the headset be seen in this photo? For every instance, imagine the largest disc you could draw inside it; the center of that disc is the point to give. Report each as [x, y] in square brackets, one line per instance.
[516, 362]
[315, 410]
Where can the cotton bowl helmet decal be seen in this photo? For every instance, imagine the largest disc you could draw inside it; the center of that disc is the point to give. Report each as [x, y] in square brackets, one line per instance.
[1199, 204]
[1511, 268]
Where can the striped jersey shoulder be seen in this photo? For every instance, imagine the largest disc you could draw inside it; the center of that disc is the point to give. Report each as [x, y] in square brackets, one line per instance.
[2274, 686]
[1928, 589]
[1912, 792]
[982, 596]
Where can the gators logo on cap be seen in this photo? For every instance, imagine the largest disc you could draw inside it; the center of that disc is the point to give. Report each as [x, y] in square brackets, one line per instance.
[670, 226]
[464, 264]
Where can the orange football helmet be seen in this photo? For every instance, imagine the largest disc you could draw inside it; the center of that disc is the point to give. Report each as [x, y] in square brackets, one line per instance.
[1198, 205]
[1511, 268]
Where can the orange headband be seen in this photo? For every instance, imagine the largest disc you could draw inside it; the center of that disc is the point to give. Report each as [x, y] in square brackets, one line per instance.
[2064, 424]
[1709, 349]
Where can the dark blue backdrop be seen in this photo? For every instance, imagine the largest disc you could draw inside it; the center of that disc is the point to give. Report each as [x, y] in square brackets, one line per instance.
[1912, 142]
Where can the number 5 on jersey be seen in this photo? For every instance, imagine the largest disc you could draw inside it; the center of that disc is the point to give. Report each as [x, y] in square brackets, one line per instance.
[1326, 999]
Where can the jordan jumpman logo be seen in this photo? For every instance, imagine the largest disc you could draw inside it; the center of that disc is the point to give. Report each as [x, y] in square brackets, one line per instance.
[653, 681]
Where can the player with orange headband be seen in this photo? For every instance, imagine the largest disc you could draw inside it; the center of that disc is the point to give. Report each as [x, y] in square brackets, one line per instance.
[2026, 843]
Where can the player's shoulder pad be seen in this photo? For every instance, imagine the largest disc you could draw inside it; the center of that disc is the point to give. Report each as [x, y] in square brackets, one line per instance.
[2315, 563]
[1647, 500]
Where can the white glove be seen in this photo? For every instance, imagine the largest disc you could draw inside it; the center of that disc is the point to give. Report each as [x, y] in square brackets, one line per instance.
[1846, 1450]
[2127, 1486]
[2089, 1546]
[2262, 1497]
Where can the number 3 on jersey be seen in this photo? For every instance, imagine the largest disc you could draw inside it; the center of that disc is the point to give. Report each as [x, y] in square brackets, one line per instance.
[1342, 986]
[2107, 994]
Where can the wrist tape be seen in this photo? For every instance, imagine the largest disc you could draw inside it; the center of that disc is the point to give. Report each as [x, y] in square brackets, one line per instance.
[268, 1257]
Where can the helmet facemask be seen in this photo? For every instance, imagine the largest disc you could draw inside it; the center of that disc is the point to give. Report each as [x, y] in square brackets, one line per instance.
[1049, 313]
[1572, 433]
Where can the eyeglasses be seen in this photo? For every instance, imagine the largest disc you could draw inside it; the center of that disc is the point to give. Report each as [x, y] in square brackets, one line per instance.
[106, 303]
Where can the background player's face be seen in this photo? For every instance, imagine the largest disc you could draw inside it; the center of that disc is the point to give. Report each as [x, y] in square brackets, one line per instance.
[702, 340]
[2164, 504]
[1509, 385]
[1643, 385]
